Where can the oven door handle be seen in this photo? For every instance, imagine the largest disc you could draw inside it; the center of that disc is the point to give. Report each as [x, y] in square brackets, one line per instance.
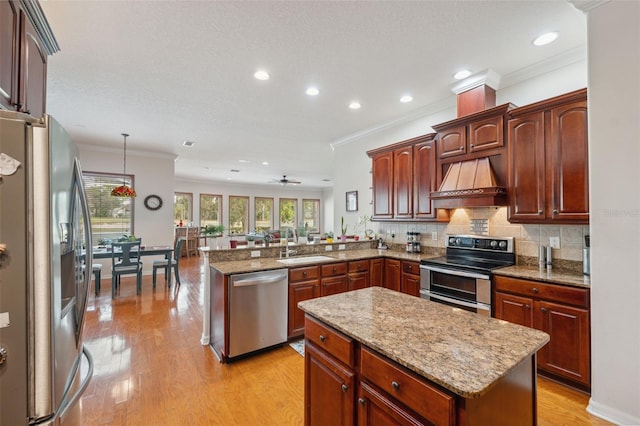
[456, 272]
[430, 295]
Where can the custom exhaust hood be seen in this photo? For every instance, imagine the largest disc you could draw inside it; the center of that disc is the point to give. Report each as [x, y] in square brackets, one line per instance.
[472, 181]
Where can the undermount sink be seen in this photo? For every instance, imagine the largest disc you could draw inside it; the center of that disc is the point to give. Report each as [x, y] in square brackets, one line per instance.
[304, 259]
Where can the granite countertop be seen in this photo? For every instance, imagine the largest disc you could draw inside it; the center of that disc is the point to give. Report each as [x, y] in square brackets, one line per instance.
[264, 264]
[553, 276]
[459, 350]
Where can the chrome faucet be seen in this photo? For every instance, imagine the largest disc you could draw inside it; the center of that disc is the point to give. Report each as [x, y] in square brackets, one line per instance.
[288, 251]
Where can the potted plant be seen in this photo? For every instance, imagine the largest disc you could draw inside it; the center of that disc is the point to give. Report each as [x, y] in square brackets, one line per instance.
[303, 231]
[330, 237]
[250, 240]
[232, 241]
[343, 229]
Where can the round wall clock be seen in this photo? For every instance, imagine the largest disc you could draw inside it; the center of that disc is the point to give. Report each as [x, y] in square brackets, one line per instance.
[153, 202]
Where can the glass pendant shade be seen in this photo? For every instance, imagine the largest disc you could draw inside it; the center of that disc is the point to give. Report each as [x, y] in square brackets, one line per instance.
[124, 190]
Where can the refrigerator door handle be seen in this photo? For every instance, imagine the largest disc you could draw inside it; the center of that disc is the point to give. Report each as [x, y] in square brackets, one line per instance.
[85, 382]
[81, 299]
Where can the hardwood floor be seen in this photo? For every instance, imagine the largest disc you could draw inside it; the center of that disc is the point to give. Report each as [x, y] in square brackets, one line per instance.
[151, 369]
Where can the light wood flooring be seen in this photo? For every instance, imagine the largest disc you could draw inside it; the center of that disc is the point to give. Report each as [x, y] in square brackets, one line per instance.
[151, 369]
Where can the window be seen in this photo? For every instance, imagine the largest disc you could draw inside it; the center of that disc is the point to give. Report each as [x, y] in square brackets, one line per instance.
[210, 209]
[311, 215]
[111, 217]
[263, 214]
[288, 212]
[182, 207]
[238, 214]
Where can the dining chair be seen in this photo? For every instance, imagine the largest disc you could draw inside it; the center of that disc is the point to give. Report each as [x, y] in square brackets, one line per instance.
[164, 263]
[125, 260]
[193, 237]
[96, 268]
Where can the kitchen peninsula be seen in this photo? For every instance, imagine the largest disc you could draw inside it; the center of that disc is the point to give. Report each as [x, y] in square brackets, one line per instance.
[386, 354]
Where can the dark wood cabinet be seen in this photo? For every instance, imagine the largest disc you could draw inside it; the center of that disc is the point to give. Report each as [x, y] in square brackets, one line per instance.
[391, 274]
[410, 278]
[334, 279]
[297, 293]
[304, 284]
[562, 312]
[403, 176]
[452, 141]
[376, 272]
[330, 381]
[375, 408]
[403, 182]
[382, 177]
[23, 60]
[358, 274]
[548, 161]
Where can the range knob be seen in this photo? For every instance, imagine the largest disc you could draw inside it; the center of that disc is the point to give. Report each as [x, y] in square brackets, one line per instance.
[503, 244]
[458, 241]
[452, 241]
[493, 244]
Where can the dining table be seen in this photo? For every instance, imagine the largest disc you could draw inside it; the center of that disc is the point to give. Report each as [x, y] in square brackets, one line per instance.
[104, 252]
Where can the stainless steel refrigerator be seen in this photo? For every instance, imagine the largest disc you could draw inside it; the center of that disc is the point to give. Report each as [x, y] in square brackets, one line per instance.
[45, 273]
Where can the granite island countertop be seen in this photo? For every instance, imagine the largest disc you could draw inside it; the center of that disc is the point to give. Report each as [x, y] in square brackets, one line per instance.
[459, 350]
[266, 263]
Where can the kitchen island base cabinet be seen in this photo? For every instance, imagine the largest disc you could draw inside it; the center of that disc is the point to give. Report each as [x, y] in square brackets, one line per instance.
[390, 394]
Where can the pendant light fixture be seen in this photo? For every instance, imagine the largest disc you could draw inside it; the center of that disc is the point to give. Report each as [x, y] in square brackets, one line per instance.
[124, 190]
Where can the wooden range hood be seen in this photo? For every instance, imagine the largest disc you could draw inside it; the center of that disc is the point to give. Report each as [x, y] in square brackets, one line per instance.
[471, 182]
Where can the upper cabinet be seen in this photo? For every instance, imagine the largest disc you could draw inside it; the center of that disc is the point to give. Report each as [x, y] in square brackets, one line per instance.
[403, 175]
[548, 161]
[25, 41]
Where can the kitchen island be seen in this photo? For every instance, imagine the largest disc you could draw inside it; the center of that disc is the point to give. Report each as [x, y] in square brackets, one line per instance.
[403, 359]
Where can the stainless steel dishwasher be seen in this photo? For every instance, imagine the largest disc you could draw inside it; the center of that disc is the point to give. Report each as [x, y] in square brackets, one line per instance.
[257, 310]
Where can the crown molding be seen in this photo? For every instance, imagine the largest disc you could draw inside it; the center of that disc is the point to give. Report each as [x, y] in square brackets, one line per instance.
[134, 152]
[587, 5]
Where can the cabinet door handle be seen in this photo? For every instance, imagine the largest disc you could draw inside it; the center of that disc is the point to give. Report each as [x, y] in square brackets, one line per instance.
[361, 401]
[322, 338]
[539, 211]
[555, 211]
[344, 387]
[527, 306]
[335, 269]
[543, 309]
[461, 148]
[472, 145]
[535, 289]
[304, 273]
[395, 385]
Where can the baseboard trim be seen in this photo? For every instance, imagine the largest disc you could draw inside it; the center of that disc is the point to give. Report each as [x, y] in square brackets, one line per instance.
[611, 414]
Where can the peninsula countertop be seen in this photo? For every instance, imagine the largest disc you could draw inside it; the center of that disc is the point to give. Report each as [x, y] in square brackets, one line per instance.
[459, 350]
[265, 263]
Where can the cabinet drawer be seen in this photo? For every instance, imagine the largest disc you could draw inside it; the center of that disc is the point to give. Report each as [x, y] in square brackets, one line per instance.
[334, 269]
[359, 266]
[409, 267]
[553, 292]
[337, 344]
[303, 274]
[428, 400]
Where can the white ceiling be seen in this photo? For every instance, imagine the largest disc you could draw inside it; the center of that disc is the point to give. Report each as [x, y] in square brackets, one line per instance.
[170, 71]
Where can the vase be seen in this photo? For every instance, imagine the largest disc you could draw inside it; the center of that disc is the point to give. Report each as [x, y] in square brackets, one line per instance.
[356, 237]
[343, 238]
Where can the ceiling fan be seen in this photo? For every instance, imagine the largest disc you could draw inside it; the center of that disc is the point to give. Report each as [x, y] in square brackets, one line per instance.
[284, 181]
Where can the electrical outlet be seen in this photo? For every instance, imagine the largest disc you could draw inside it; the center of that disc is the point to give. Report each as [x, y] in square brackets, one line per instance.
[255, 253]
[341, 246]
[328, 248]
[434, 235]
[554, 242]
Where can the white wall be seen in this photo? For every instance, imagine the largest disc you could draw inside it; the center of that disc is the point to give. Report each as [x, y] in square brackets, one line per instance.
[614, 145]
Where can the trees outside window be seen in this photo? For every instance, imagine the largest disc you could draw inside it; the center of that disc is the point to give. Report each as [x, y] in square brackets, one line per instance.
[182, 207]
[210, 209]
[238, 214]
[263, 211]
[311, 215]
[111, 217]
[288, 213]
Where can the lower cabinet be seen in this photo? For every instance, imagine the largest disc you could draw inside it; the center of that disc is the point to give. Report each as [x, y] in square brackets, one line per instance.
[391, 274]
[562, 312]
[358, 274]
[375, 408]
[330, 379]
[334, 279]
[304, 283]
[376, 271]
[410, 278]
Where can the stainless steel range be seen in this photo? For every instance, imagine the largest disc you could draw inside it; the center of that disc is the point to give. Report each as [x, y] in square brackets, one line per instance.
[462, 278]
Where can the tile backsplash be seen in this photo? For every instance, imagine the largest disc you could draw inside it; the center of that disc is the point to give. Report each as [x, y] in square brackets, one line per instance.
[527, 237]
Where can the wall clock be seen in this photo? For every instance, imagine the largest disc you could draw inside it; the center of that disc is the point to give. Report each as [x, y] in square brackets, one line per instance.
[153, 202]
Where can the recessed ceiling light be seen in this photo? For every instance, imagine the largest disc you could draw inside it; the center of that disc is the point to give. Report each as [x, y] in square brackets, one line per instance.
[244, 161]
[462, 74]
[265, 163]
[235, 171]
[313, 91]
[261, 75]
[355, 105]
[406, 98]
[188, 143]
[545, 38]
